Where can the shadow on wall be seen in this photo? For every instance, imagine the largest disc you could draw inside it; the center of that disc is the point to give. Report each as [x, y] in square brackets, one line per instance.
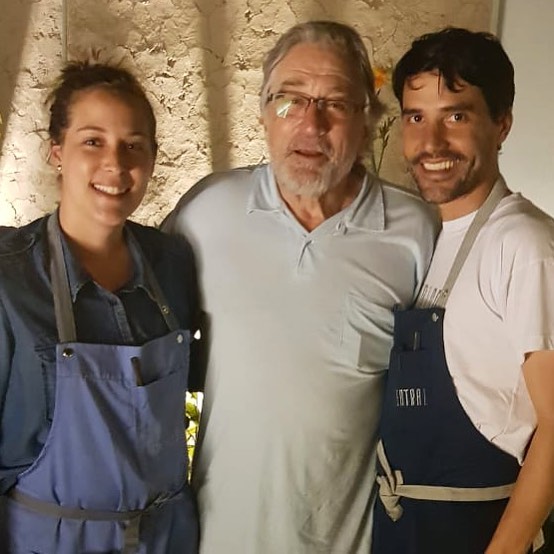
[105, 32]
[214, 45]
[13, 30]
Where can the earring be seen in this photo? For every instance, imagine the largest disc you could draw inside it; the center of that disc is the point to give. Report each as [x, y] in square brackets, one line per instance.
[59, 168]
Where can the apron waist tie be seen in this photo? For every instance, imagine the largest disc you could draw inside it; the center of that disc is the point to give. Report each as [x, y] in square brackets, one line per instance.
[392, 488]
[131, 518]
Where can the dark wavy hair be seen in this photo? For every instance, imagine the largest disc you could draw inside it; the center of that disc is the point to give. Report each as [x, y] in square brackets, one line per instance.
[79, 76]
[459, 54]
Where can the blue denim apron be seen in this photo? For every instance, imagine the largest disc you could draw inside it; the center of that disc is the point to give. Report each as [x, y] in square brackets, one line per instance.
[112, 475]
[442, 485]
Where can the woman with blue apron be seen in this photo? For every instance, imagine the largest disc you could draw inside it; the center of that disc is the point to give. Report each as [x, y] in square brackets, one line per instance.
[112, 474]
[100, 462]
[442, 485]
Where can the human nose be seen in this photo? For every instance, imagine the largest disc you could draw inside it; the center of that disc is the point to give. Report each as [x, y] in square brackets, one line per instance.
[435, 138]
[114, 158]
[314, 120]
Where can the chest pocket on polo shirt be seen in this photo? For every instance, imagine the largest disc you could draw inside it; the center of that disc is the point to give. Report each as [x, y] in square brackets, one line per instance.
[47, 356]
[367, 334]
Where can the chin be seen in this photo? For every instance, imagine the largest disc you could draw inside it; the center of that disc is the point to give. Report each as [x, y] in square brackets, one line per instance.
[308, 182]
[111, 219]
[314, 188]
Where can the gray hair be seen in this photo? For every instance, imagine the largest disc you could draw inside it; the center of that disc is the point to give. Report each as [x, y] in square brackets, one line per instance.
[345, 40]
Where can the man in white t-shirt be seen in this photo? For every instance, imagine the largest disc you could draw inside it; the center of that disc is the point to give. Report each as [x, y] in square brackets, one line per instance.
[467, 451]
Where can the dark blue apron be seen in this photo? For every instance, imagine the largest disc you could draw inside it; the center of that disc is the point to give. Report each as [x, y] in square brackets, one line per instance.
[443, 485]
[112, 475]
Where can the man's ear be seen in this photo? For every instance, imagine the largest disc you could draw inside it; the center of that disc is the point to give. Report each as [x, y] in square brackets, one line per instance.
[504, 125]
[261, 120]
[365, 143]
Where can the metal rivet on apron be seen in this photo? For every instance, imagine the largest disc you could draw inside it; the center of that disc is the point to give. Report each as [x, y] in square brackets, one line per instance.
[67, 353]
[434, 317]
[165, 310]
[180, 338]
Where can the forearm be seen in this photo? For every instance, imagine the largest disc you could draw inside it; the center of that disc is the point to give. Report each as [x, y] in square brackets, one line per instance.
[532, 498]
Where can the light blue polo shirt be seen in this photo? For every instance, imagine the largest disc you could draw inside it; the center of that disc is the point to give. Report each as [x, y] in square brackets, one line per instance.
[300, 328]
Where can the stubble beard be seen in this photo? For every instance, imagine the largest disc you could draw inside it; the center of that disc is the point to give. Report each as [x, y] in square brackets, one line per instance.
[304, 181]
[437, 194]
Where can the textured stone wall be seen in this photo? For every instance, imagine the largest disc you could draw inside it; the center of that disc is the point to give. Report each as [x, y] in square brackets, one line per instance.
[200, 63]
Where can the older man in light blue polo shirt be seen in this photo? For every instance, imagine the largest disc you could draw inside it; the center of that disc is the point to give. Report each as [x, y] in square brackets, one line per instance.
[301, 263]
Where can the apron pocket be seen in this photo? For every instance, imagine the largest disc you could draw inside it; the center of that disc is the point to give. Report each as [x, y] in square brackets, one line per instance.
[160, 427]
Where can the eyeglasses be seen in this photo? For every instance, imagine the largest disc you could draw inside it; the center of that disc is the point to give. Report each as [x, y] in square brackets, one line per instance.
[294, 105]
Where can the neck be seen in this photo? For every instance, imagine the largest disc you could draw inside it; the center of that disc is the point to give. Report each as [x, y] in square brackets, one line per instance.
[101, 251]
[467, 203]
[312, 211]
[88, 236]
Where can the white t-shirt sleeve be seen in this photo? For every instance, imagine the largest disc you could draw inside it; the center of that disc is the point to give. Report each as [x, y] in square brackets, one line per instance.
[529, 290]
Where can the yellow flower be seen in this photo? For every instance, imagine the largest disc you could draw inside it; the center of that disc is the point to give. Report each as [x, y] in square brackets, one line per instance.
[381, 76]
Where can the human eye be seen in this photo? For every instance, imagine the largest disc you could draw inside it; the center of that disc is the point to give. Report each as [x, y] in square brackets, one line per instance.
[288, 103]
[91, 141]
[137, 146]
[296, 103]
[339, 107]
[457, 117]
[413, 118]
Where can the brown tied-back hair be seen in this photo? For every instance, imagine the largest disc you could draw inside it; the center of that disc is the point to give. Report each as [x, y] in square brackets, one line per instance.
[79, 76]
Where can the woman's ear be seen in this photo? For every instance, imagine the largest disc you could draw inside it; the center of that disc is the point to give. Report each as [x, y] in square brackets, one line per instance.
[55, 156]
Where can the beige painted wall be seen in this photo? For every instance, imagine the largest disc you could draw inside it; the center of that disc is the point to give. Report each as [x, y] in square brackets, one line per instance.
[200, 62]
[527, 160]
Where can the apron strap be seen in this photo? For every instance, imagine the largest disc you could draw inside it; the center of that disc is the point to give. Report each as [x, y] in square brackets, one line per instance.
[65, 512]
[63, 305]
[159, 296]
[498, 191]
[131, 536]
[131, 518]
[392, 488]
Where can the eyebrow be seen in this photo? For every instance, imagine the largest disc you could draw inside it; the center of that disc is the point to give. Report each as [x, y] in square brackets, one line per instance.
[102, 130]
[460, 107]
[292, 82]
